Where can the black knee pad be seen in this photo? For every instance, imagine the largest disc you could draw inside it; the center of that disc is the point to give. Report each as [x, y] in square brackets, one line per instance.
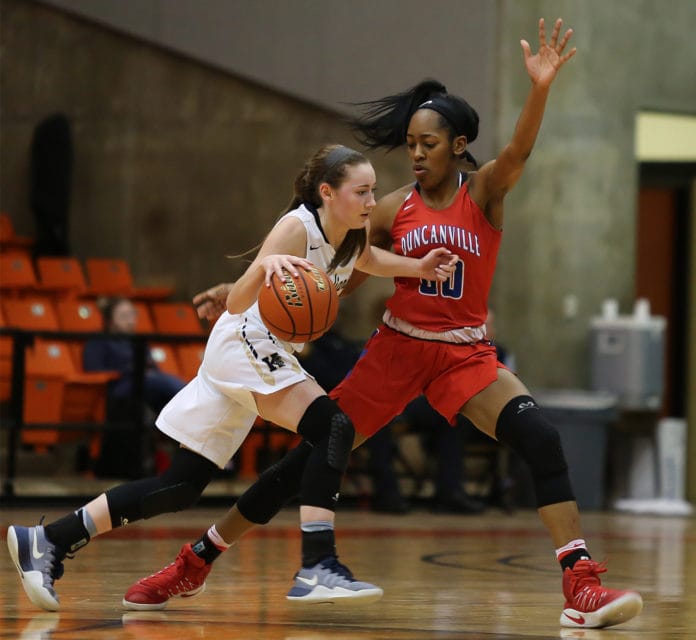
[179, 487]
[523, 427]
[331, 433]
[275, 486]
[325, 426]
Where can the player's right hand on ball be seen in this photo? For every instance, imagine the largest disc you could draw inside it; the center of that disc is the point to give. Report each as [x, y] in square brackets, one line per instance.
[276, 263]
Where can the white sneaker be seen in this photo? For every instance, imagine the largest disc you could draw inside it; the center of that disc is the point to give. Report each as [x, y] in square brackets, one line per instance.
[36, 560]
[328, 582]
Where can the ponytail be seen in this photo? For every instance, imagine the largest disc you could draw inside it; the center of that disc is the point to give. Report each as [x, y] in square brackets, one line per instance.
[384, 122]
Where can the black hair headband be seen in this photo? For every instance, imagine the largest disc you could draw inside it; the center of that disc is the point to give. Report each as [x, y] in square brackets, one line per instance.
[456, 114]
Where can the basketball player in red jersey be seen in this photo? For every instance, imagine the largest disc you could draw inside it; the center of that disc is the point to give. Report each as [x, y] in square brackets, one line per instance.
[432, 340]
[441, 325]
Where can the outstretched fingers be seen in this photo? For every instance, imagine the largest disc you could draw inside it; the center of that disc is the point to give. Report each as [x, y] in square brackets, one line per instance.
[564, 40]
[557, 45]
[566, 56]
[542, 33]
[554, 43]
[526, 49]
[555, 33]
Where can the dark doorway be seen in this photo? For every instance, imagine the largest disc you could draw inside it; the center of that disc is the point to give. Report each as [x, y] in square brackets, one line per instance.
[662, 266]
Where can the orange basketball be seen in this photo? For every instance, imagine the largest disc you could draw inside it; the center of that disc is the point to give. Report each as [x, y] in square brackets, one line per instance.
[299, 309]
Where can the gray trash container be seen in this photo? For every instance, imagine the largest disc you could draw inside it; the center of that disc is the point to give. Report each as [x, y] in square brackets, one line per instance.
[582, 419]
[628, 359]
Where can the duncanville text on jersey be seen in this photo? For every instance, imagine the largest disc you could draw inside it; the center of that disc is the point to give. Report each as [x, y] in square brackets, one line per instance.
[440, 234]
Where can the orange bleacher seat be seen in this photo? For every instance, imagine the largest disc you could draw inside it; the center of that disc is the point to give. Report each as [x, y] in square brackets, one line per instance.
[17, 275]
[61, 275]
[190, 358]
[78, 315]
[57, 391]
[55, 388]
[109, 277]
[81, 316]
[165, 358]
[143, 318]
[8, 238]
[32, 313]
[176, 318]
[112, 277]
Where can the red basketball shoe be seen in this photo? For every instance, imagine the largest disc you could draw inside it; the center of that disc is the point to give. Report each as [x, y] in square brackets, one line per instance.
[184, 577]
[589, 604]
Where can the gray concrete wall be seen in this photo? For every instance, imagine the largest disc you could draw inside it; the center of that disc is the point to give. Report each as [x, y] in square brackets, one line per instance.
[570, 222]
[328, 52]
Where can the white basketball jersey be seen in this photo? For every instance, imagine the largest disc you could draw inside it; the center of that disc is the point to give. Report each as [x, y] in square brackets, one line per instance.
[319, 251]
[214, 412]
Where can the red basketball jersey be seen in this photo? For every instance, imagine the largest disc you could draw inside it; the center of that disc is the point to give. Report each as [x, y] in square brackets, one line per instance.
[461, 301]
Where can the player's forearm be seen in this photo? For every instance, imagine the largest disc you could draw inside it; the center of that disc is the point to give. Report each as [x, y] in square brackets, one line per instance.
[528, 124]
[388, 265]
[245, 291]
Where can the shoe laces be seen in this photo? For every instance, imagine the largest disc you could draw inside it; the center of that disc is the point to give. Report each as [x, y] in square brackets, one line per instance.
[335, 566]
[586, 572]
[586, 591]
[54, 556]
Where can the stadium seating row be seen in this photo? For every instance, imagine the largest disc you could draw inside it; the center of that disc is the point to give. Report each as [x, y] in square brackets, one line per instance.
[63, 356]
[55, 294]
[64, 276]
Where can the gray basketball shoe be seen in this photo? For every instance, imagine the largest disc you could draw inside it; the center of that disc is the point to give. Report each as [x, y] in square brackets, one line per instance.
[329, 582]
[37, 561]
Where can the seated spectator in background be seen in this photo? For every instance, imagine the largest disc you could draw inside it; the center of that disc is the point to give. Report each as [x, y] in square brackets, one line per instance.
[116, 352]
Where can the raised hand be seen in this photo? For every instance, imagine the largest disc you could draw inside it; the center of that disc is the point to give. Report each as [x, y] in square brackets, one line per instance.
[543, 66]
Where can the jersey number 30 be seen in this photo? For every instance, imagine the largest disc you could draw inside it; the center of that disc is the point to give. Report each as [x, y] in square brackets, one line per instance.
[451, 288]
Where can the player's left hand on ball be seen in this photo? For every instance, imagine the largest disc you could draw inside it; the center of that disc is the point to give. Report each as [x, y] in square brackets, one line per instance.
[275, 263]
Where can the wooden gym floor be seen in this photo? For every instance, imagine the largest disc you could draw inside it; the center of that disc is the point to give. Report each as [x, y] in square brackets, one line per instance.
[490, 577]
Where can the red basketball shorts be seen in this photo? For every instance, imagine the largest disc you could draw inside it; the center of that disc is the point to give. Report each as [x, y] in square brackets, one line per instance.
[395, 368]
